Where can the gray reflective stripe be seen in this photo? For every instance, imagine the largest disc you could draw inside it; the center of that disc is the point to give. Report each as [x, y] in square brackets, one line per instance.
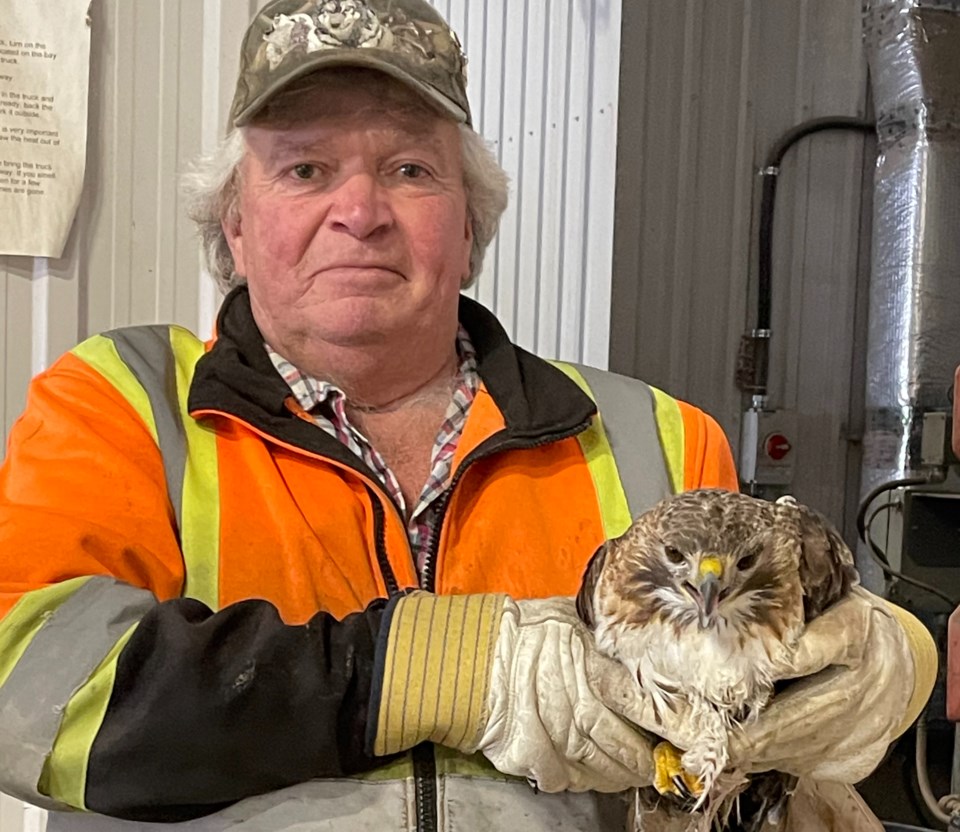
[63, 654]
[147, 352]
[465, 804]
[629, 417]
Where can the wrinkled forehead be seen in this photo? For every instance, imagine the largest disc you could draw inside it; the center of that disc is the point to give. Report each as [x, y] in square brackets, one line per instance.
[347, 92]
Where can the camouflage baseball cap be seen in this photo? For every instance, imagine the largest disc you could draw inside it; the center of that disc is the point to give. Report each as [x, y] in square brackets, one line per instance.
[407, 39]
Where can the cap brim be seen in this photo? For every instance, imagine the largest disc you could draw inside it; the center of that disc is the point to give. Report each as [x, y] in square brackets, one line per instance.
[367, 58]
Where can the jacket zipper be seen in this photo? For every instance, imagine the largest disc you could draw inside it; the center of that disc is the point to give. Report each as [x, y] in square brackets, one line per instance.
[429, 578]
[424, 762]
[425, 787]
[380, 530]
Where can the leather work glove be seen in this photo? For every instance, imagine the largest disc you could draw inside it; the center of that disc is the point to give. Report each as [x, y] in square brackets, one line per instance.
[519, 681]
[864, 671]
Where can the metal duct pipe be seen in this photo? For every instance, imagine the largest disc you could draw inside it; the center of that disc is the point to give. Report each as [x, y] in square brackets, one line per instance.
[913, 49]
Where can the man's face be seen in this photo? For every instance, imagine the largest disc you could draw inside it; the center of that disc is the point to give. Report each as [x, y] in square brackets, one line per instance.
[353, 224]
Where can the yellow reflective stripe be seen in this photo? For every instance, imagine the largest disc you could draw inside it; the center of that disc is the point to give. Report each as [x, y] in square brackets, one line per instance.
[611, 498]
[670, 427]
[64, 775]
[399, 769]
[200, 521]
[101, 354]
[26, 617]
[454, 764]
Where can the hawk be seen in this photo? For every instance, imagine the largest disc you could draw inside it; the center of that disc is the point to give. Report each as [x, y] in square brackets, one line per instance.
[704, 598]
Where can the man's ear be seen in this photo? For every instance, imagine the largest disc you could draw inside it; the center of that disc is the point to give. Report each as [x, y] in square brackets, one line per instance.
[233, 232]
[468, 240]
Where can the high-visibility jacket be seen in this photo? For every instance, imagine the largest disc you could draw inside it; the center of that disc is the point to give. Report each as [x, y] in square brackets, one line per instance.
[193, 576]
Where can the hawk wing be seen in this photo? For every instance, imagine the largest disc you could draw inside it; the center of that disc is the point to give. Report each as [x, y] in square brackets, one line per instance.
[588, 585]
[827, 568]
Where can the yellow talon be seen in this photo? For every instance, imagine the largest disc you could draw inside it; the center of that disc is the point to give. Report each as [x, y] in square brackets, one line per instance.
[669, 775]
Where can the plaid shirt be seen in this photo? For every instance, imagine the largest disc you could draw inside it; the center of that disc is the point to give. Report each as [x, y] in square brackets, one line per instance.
[327, 405]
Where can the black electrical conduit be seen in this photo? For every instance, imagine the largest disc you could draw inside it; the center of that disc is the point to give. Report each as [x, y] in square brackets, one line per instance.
[752, 374]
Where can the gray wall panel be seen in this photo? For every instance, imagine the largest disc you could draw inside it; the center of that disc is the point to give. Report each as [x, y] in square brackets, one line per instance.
[707, 87]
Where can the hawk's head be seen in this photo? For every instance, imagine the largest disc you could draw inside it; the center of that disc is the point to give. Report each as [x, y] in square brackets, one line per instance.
[702, 559]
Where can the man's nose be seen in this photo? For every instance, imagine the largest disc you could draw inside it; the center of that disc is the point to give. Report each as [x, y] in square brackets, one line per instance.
[360, 207]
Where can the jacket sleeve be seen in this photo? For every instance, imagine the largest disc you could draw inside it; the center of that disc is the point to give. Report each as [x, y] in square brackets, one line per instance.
[707, 460]
[116, 694]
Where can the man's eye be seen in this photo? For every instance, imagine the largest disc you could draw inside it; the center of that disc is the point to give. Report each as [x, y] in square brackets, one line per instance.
[304, 171]
[411, 170]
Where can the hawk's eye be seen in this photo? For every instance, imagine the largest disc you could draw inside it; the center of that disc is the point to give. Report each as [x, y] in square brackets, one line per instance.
[747, 562]
[674, 555]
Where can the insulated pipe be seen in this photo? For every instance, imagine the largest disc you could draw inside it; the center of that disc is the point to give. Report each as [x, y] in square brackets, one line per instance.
[913, 48]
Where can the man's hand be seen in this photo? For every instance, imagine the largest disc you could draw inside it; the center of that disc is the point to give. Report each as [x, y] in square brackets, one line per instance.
[548, 720]
[520, 681]
[863, 670]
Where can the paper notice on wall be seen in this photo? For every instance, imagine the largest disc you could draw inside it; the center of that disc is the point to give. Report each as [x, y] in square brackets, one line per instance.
[44, 77]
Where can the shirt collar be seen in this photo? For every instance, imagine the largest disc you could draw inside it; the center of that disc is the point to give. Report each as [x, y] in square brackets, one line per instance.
[311, 392]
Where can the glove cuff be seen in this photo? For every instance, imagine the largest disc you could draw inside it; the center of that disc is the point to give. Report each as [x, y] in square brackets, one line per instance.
[925, 661]
[432, 673]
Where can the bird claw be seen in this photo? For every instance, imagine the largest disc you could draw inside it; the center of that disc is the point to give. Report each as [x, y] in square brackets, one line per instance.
[670, 777]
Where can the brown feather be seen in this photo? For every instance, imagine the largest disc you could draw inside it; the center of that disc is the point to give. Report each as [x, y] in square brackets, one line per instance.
[588, 586]
[827, 568]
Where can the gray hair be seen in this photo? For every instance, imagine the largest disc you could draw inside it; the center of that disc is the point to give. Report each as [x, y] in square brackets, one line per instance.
[212, 190]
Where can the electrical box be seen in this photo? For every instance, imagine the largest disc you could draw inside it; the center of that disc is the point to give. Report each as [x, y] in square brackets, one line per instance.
[768, 447]
[931, 531]
[929, 544]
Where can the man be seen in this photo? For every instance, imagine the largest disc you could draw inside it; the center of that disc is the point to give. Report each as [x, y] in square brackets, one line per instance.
[210, 551]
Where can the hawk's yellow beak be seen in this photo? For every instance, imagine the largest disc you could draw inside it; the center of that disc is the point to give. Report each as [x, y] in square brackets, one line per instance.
[710, 565]
[709, 575]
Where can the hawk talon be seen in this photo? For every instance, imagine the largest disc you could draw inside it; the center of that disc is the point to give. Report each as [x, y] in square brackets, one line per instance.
[670, 777]
[681, 790]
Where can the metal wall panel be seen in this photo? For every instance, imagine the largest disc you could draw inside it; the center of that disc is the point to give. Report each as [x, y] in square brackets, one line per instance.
[706, 89]
[543, 80]
[132, 256]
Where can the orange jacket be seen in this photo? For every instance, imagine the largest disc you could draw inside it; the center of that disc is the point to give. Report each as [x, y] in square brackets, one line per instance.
[278, 535]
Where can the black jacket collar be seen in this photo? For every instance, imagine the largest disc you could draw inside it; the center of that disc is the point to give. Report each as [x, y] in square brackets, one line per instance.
[237, 377]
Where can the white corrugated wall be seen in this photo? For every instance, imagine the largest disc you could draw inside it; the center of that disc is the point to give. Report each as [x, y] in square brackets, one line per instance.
[543, 83]
[131, 257]
[543, 86]
[16, 817]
